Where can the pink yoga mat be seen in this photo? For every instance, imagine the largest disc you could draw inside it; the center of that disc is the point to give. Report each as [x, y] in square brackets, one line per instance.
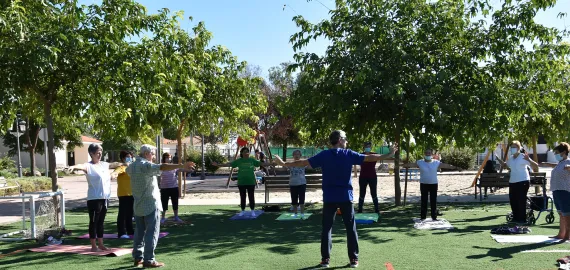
[83, 250]
[114, 236]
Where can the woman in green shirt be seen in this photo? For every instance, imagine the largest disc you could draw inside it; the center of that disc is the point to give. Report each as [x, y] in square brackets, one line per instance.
[246, 177]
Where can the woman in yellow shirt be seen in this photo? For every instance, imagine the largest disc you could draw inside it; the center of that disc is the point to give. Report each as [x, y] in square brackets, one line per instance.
[126, 200]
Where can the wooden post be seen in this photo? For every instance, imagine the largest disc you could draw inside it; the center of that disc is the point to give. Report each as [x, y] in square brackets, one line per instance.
[481, 168]
[185, 157]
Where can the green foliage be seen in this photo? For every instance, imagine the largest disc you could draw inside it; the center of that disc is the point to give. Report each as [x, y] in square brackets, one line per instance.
[194, 155]
[6, 163]
[8, 174]
[30, 184]
[461, 157]
[213, 155]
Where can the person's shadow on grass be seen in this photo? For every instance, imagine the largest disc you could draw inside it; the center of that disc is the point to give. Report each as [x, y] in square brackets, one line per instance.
[504, 253]
[318, 266]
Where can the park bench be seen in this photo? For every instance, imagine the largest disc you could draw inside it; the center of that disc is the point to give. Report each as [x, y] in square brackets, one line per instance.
[491, 180]
[413, 174]
[281, 183]
[4, 185]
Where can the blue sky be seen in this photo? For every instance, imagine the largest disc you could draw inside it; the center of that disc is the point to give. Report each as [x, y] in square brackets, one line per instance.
[258, 31]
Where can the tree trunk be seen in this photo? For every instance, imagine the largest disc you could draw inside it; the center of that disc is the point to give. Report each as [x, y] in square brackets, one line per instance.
[397, 187]
[51, 156]
[33, 133]
[179, 151]
[535, 157]
[284, 151]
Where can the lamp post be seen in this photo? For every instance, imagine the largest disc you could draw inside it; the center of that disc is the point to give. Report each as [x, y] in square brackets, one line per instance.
[19, 128]
[203, 174]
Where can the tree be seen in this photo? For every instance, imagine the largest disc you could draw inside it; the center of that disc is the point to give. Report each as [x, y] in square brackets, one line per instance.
[396, 67]
[58, 53]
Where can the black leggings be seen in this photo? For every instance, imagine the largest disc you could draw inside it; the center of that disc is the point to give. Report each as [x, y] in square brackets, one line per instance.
[97, 212]
[432, 190]
[167, 193]
[298, 194]
[373, 182]
[125, 216]
[250, 193]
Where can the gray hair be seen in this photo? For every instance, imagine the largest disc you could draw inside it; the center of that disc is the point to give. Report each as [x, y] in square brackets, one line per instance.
[335, 136]
[93, 148]
[146, 148]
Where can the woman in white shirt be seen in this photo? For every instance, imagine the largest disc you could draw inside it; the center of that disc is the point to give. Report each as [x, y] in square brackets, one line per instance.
[98, 193]
[519, 181]
[428, 181]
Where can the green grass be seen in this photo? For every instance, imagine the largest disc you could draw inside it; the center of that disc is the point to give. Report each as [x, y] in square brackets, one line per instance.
[214, 242]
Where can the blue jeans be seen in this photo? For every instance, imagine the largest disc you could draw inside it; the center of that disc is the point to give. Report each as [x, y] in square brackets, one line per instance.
[329, 213]
[146, 236]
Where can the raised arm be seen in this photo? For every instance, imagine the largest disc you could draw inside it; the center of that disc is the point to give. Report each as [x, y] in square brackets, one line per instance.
[533, 164]
[503, 164]
[297, 163]
[170, 167]
[376, 157]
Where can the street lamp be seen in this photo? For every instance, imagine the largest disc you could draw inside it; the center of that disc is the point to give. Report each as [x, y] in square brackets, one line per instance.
[18, 129]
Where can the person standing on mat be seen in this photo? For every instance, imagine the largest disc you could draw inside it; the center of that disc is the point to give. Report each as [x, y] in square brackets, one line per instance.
[519, 180]
[560, 187]
[126, 200]
[246, 177]
[169, 190]
[428, 181]
[98, 193]
[297, 185]
[368, 177]
[336, 164]
[144, 185]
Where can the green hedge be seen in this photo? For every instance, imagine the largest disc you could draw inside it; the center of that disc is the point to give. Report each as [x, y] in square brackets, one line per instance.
[461, 157]
[28, 184]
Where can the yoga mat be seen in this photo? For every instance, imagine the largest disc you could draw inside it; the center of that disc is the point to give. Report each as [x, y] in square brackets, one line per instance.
[429, 224]
[366, 218]
[524, 239]
[289, 216]
[83, 250]
[114, 236]
[547, 251]
[247, 215]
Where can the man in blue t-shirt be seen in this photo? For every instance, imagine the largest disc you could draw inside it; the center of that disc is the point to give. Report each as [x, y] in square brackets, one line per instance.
[336, 164]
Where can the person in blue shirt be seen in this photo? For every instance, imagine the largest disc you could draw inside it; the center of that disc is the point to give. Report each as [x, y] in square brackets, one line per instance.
[336, 164]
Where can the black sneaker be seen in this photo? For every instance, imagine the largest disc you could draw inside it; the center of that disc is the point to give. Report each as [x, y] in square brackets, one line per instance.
[325, 262]
[353, 263]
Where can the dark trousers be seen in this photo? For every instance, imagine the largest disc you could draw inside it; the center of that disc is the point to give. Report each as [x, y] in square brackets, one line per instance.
[97, 212]
[125, 216]
[517, 198]
[169, 193]
[250, 189]
[432, 190]
[329, 213]
[298, 194]
[373, 182]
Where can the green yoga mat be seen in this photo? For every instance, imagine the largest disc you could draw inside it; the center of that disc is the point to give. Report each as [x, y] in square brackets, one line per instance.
[366, 218]
[289, 216]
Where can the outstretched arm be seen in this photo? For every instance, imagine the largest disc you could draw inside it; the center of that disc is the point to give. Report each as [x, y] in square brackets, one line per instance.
[548, 164]
[504, 164]
[375, 157]
[297, 163]
[114, 165]
[78, 167]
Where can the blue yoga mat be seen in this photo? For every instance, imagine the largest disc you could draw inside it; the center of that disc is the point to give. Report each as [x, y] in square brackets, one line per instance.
[366, 218]
[247, 215]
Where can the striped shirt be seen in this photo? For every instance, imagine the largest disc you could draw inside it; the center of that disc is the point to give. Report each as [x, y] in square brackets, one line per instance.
[144, 186]
[168, 179]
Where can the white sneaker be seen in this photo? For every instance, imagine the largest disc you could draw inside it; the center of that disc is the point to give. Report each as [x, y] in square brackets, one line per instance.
[252, 213]
[294, 215]
[124, 236]
[241, 214]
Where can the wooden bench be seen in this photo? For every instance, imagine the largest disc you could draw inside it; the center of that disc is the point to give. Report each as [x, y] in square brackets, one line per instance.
[491, 180]
[281, 183]
[4, 185]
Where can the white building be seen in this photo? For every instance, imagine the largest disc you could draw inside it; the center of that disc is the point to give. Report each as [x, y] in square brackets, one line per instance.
[63, 157]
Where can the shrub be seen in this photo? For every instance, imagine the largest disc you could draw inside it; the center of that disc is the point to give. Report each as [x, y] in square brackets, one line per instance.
[6, 163]
[213, 154]
[461, 157]
[7, 174]
[193, 155]
[29, 184]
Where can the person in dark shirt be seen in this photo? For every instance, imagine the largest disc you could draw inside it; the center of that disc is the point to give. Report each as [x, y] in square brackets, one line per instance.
[261, 157]
[368, 177]
[336, 164]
